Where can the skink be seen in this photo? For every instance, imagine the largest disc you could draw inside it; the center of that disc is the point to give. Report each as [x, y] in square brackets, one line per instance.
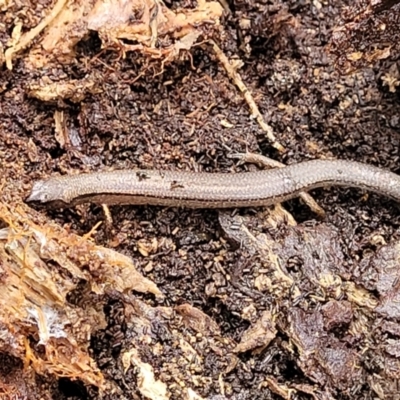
[212, 190]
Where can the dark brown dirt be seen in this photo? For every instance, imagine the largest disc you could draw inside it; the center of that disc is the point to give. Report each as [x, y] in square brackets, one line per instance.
[172, 120]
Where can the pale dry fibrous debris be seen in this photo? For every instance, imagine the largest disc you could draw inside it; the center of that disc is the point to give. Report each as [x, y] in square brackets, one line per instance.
[369, 31]
[21, 41]
[42, 264]
[40, 267]
[145, 26]
[74, 90]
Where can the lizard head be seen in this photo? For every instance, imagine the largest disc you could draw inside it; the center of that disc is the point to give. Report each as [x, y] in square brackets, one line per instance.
[47, 192]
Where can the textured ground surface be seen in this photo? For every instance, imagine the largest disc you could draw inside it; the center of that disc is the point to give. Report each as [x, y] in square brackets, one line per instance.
[297, 311]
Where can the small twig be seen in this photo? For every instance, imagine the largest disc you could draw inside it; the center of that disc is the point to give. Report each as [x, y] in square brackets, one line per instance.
[153, 24]
[28, 37]
[236, 78]
[107, 215]
[267, 162]
[90, 234]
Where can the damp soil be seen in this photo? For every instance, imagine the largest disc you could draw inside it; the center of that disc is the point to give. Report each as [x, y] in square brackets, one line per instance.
[325, 343]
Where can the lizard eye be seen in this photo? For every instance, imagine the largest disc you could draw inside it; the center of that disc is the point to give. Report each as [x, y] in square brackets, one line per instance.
[45, 197]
